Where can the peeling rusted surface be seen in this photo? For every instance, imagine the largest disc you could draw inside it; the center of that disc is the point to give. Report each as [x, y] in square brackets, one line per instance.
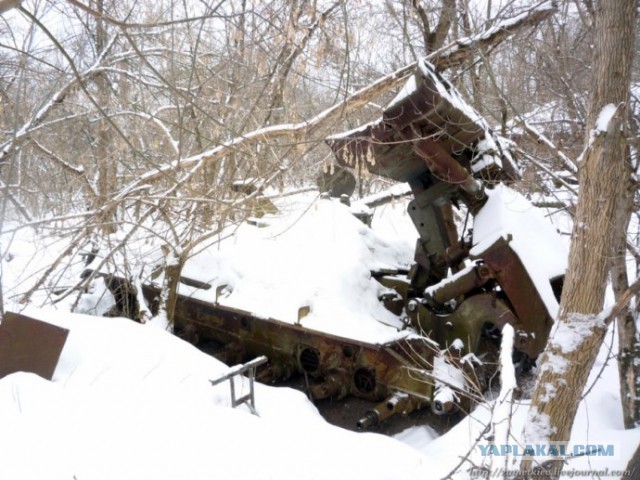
[30, 345]
[532, 320]
[424, 124]
[336, 365]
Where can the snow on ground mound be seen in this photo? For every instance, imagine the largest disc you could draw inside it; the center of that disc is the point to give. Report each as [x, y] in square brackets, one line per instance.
[317, 255]
[132, 402]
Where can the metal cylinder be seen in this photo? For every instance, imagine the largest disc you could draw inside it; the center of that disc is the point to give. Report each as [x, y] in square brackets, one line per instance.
[460, 284]
[443, 401]
[397, 403]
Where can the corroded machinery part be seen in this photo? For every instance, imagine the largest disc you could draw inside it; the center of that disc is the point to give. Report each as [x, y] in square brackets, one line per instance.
[398, 373]
[334, 385]
[30, 345]
[463, 282]
[465, 324]
[444, 401]
[397, 403]
[336, 366]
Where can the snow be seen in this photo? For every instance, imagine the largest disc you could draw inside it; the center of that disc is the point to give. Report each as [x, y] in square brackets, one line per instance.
[539, 429]
[448, 92]
[98, 300]
[492, 144]
[569, 334]
[130, 401]
[314, 254]
[508, 213]
[556, 363]
[507, 369]
[605, 117]
[433, 289]
[409, 87]
[448, 374]
[506, 24]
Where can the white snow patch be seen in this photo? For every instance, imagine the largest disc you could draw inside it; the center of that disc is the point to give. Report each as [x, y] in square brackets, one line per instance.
[605, 117]
[539, 428]
[567, 335]
[447, 375]
[409, 87]
[430, 291]
[471, 359]
[550, 391]
[316, 254]
[457, 344]
[507, 370]
[97, 300]
[553, 362]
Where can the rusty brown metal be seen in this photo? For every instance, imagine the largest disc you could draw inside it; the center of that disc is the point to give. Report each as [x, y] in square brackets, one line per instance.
[428, 139]
[462, 284]
[337, 365]
[30, 345]
[397, 403]
[424, 124]
[533, 322]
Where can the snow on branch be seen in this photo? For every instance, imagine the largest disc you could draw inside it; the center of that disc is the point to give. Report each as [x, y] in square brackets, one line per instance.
[539, 137]
[446, 57]
[175, 144]
[495, 34]
[77, 80]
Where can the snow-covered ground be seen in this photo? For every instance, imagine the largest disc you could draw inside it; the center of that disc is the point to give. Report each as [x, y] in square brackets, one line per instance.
[133, 401]
[129, 401]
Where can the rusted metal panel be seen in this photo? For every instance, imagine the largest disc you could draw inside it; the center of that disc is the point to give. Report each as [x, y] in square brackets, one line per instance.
[30, 345]
[386, 146]
[365, 370]
[533, 320]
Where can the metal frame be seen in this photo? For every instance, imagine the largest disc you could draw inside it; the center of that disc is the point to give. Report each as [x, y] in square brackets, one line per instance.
[248, 399]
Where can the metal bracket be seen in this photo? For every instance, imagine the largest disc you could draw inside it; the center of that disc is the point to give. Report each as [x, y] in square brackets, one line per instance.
[238, 370]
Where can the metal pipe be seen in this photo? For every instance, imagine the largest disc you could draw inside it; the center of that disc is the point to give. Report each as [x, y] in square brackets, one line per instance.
[399, 402]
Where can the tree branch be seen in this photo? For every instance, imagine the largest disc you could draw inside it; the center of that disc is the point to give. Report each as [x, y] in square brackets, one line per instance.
[445, 57]
[624, 299]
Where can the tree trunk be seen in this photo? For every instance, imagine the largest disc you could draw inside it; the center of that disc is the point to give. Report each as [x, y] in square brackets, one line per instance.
[628, 367]
[173, 263]
[577, 337]
[105, 164]
[633, 467]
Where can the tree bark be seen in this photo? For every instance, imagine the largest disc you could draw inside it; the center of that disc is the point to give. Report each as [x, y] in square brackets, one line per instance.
[628, 351]
[105, 164]
[633, 467]
[577, 337]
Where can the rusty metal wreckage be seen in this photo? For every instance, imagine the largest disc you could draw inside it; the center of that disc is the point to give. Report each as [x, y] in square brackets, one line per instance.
[429, 138]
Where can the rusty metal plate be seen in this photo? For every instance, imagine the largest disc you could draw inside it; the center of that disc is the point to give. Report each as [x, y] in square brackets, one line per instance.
[30, 345]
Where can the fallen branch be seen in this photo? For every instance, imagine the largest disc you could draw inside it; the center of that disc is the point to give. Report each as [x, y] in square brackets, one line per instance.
[493, 36]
